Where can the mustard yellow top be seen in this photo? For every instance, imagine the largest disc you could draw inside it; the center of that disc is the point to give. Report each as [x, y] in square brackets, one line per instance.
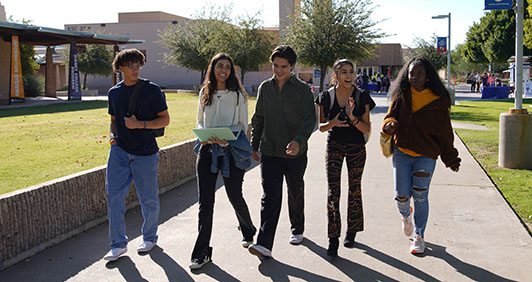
[419, 100]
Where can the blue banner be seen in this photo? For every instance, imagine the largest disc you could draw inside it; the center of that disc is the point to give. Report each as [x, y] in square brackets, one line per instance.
[74, 89]
[497, 4]
[441, 44]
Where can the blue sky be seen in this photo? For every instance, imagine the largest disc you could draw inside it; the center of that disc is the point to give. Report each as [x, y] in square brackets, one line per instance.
[402, 19]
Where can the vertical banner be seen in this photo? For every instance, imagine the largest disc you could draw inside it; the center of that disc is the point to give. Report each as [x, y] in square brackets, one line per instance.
[441, 44]
[74, 88]
[17, 86]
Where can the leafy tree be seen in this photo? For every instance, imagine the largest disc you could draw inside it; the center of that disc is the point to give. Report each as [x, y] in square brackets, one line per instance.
[428, 50]
[461, 66]
[96, 60]
[493, 39]
[27, 53]
[248, 44]
[498, 29]
[332, 29]
[472, 50]
[27, 59]
[193, 43]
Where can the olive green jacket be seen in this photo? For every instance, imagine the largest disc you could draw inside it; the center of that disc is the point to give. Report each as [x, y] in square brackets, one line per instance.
[282, 116]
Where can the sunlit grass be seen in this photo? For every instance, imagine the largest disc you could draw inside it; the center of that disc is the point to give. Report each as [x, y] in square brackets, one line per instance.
[42, 143]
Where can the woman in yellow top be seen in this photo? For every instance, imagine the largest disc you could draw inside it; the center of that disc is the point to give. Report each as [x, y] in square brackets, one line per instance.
[419, 118]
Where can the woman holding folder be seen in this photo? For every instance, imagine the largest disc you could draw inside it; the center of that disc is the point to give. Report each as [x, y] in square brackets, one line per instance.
[222, 103]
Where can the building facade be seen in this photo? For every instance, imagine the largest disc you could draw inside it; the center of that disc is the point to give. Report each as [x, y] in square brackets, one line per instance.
[146, 26]
[387, 59]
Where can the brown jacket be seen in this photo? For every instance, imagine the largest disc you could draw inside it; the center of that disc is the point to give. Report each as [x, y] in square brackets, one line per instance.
[427, 131]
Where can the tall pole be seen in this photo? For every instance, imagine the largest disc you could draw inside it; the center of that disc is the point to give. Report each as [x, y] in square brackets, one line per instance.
[519, 55]
[449, 55]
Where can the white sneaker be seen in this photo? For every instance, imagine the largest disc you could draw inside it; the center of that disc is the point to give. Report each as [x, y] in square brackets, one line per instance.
[146, 246]
[296, 239]
[418, 246]
[259, 251]
[408, 225]
[246, 244]
[114, 254]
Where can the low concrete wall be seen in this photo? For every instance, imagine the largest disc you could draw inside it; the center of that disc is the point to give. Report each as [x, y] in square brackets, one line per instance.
[84, 92]
[37, 217]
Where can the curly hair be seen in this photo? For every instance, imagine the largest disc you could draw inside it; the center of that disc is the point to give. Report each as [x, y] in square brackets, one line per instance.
[209, 86]
[401, 87]
[128, 56]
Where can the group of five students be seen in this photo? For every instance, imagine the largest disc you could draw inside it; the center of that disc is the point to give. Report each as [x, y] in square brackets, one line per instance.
[283, 121]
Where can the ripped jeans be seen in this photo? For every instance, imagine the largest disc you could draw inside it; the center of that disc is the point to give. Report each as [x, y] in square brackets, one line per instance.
[412, 179]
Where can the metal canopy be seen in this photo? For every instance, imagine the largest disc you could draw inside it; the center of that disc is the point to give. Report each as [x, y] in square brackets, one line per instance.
[44, 36]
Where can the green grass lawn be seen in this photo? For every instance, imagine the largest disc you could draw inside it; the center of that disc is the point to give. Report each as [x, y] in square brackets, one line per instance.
[42, 143]
[515, 184]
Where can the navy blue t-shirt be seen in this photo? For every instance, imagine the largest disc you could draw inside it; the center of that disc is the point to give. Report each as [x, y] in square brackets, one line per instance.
[151, 100]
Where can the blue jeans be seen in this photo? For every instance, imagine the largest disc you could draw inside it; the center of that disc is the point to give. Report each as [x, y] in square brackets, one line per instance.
[412, 179]
[123, 167]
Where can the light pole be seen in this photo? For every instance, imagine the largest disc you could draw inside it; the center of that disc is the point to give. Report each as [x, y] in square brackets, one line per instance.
[448, 48]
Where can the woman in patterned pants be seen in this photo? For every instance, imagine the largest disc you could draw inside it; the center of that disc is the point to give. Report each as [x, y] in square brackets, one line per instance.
[344, 113]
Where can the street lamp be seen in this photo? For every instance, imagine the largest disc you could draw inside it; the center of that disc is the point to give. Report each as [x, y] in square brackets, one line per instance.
[448, 48]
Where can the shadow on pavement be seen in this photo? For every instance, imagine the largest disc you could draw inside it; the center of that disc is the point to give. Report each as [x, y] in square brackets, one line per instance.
[352, 269]
[127, 268]
[173, 271]
[471, 271]
[395, 262]
[278, 271]
[213, 271]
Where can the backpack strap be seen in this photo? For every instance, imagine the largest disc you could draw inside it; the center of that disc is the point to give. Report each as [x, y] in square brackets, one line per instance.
[357, 100]
[332, 94]
[134, 96]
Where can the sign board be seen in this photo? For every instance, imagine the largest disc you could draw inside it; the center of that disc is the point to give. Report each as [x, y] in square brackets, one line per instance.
[527, 89]
[317, 73]
[497, 4]
[74, 88]
[441, 44]
[17, 86]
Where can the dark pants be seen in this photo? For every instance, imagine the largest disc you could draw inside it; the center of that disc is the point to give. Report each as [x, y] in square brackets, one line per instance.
[206, 191]
[355, 156]
[273, 169]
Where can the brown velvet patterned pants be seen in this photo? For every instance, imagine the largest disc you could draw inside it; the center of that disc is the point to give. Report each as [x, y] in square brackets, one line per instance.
[355, 155]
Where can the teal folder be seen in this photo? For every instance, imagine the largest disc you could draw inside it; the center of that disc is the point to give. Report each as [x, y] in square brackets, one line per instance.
[223, 133]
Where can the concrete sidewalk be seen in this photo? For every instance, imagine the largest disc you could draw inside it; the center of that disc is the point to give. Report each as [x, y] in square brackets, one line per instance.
[472, 234]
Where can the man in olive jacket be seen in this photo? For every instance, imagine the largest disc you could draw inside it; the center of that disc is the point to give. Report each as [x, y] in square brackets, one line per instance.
[283, 121]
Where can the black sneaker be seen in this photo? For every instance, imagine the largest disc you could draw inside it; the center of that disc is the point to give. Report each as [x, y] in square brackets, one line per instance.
[332, 251]
[349, 241]
[198, 263]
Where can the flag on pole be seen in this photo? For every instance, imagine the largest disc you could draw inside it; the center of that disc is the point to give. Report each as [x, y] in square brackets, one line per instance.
[441, 44]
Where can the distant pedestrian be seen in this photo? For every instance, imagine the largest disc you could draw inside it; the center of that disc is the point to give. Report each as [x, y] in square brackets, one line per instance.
[419, 118]
[347, 122]
[484, 78]
[365, 80]
[472, 79]
[283, 121]
[222, 103]
[134, 152]
[385, 83]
